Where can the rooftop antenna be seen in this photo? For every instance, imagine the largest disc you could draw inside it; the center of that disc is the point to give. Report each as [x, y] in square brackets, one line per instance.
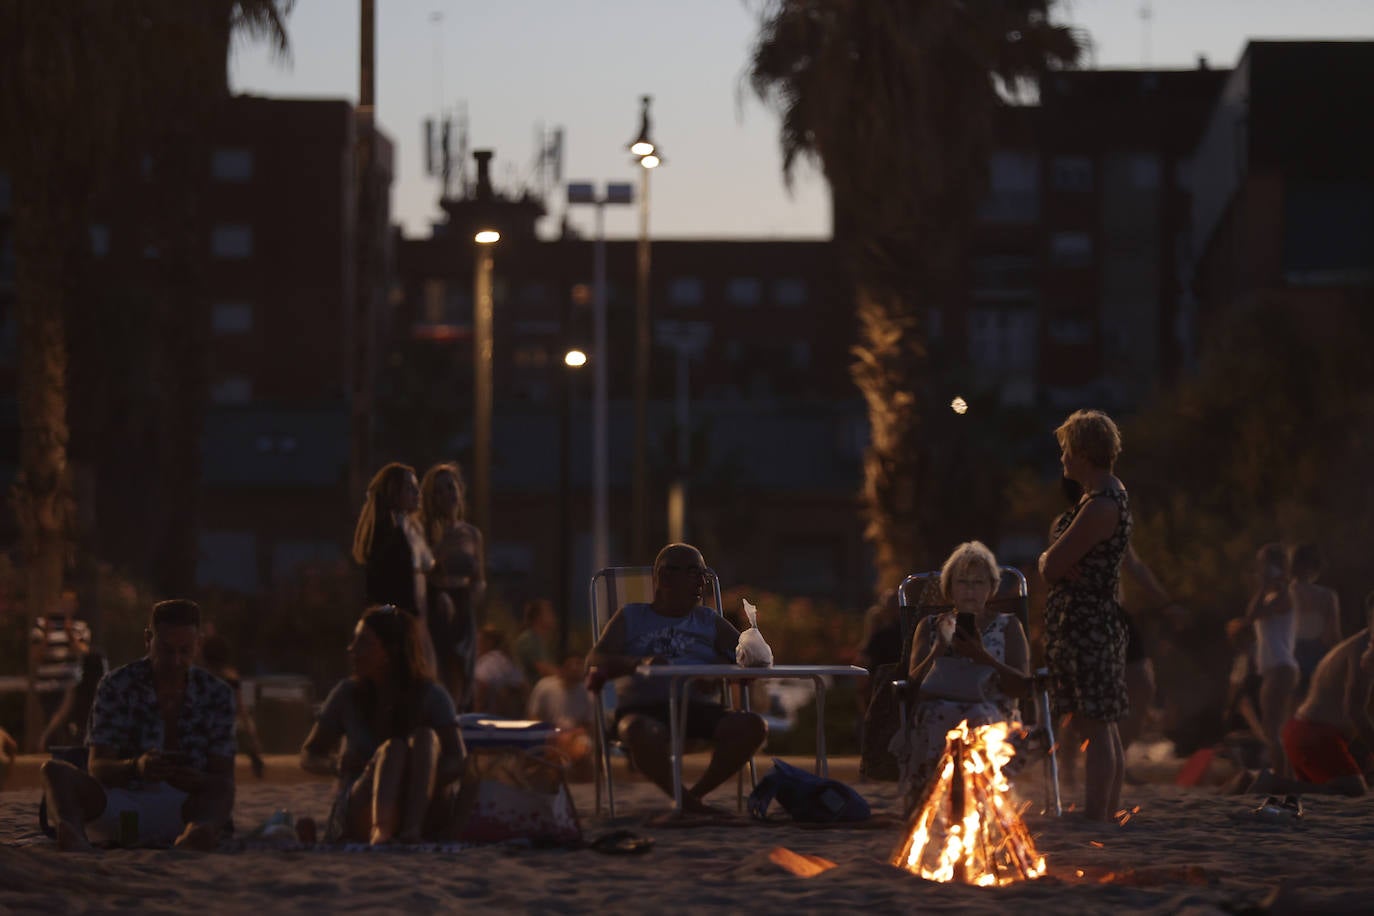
[1147, 15]
[462, 155]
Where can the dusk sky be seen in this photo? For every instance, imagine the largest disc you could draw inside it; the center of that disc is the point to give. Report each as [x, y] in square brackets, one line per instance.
[582, 65]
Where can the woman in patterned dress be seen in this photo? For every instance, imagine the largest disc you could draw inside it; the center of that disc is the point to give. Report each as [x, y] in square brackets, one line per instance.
[1085, 626]
[969, 580]
[458, 581]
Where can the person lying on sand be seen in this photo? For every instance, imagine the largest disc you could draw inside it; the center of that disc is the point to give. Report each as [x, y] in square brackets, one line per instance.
[161, 742]
[1317, 738]
[403, 752]
[674, 629]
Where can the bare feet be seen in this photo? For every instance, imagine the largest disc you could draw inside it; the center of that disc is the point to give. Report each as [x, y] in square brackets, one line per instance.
[197, 837]
[380, 837]
[72, 838]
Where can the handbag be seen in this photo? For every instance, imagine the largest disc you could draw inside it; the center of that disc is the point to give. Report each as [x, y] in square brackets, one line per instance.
[514, 794]
[953, 677]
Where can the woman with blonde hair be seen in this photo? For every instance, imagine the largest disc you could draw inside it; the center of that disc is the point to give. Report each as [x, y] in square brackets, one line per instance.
[1085, 625]
[388, 543]
[995, 642]
[458, 581]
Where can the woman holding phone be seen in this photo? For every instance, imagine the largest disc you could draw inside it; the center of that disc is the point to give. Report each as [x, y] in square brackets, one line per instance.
[993, 641]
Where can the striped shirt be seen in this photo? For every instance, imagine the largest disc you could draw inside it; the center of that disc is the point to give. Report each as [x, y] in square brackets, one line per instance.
[59, 667]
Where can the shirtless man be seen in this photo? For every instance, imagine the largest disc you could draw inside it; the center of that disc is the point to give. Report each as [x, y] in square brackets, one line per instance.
[1317, 738]
[675, 629]
[161, 745]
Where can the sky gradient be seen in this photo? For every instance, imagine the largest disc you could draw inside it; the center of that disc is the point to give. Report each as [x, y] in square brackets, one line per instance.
[582, 65]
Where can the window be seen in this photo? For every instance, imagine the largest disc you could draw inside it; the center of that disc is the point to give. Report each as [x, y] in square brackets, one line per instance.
[1071, 249]
[231, 318]
[531, 356]
[232, 389]
[231, 165]
[231, 241]
[1071, 173]
[1003, 277]
[789, 292]
[1013, 188]
[1002, 339]
[744, 291]
[685, 291]
[100, 240]
[433, 310]
[1144, 172]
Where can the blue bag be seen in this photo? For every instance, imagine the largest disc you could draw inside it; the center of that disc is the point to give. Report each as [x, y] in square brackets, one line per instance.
[807, 797]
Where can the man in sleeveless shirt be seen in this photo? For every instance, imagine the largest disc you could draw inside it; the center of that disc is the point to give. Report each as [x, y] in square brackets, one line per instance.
[675, 629]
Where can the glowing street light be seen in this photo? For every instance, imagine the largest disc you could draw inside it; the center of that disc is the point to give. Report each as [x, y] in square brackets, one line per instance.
[575, 359]
[650, 158]
[481, 389]
[959, 406]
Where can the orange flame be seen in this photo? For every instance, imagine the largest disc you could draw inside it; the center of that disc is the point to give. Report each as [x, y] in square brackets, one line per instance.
[984, 840]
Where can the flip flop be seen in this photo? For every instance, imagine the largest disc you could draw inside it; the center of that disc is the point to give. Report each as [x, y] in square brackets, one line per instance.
[622, 842]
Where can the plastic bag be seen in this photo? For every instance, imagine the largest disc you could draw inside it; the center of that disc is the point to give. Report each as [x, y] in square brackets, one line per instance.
[753, 651]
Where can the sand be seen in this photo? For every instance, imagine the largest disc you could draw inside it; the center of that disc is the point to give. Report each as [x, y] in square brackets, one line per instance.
[1186, 850]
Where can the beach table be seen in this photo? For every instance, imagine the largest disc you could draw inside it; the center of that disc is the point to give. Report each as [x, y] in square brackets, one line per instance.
[680, 678]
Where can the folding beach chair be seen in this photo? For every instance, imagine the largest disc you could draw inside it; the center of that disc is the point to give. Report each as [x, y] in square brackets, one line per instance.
[919, 596]
[611, 589]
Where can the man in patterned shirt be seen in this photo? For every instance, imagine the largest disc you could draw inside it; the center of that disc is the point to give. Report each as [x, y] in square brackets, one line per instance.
[161, 742]
[674, 629]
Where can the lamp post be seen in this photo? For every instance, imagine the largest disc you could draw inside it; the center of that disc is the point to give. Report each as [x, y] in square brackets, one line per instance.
[573, 360]
[583, 192]
[481, 387]
[688, 339]
[648, 157]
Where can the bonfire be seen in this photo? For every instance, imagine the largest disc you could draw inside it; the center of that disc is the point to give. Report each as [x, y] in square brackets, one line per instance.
[967, 827]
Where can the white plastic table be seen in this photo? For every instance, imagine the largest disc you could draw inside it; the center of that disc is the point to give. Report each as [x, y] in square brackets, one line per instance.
[680, 678]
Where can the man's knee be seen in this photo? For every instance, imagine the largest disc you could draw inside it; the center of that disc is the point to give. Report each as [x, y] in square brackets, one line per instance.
[742, 728]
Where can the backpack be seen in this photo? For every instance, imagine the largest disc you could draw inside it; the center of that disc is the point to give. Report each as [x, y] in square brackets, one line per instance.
[807, 797]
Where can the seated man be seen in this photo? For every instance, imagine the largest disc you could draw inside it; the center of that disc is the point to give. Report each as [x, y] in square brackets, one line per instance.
[161, 745]
[675, 629]
[1317, 739]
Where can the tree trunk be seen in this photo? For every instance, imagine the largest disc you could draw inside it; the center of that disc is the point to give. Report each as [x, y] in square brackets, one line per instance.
[42, 489]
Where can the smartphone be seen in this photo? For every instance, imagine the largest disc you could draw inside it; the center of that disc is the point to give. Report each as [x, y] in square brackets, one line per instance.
[967, 624]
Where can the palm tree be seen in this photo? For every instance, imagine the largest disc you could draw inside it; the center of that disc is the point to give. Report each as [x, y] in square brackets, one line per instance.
[896, 101]
[81, 78]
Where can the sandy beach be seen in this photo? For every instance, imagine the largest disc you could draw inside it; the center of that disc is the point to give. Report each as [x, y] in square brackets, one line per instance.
[1185, 850]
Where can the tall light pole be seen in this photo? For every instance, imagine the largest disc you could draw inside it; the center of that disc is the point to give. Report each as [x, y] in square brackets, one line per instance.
[573, 360]
[647, 154]
[481, 387]
[584, 192]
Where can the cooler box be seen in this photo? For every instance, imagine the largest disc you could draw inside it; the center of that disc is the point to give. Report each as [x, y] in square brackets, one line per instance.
[484, 731]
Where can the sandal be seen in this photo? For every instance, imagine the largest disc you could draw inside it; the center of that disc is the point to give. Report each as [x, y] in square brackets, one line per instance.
[622, 842]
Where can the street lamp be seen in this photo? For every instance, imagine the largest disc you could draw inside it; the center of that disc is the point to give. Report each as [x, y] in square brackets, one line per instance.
[572, 360]
[649, 157]
[584, 192]
[481, 388]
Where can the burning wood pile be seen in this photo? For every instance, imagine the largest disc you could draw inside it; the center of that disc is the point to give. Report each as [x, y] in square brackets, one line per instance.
[966, 827]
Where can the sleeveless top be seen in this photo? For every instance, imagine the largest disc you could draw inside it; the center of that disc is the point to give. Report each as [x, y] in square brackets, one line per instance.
[1275, 636]
[994, 637]
[1099, 569]
[686, 640]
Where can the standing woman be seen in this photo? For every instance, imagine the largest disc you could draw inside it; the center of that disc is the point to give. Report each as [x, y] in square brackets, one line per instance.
[458, 581]
[388, 542]
[1318, 611]
[1273, 616]
[1085, 626]
[401, 743]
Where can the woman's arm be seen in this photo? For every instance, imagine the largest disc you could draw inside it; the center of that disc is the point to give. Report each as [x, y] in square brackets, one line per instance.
[452, 754]
[918, 666]
[318, 753]
[1332, 633]
[1094, 524]
[479, 576]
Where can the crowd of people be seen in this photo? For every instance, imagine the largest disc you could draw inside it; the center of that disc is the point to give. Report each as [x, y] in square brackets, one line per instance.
[161, 731]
